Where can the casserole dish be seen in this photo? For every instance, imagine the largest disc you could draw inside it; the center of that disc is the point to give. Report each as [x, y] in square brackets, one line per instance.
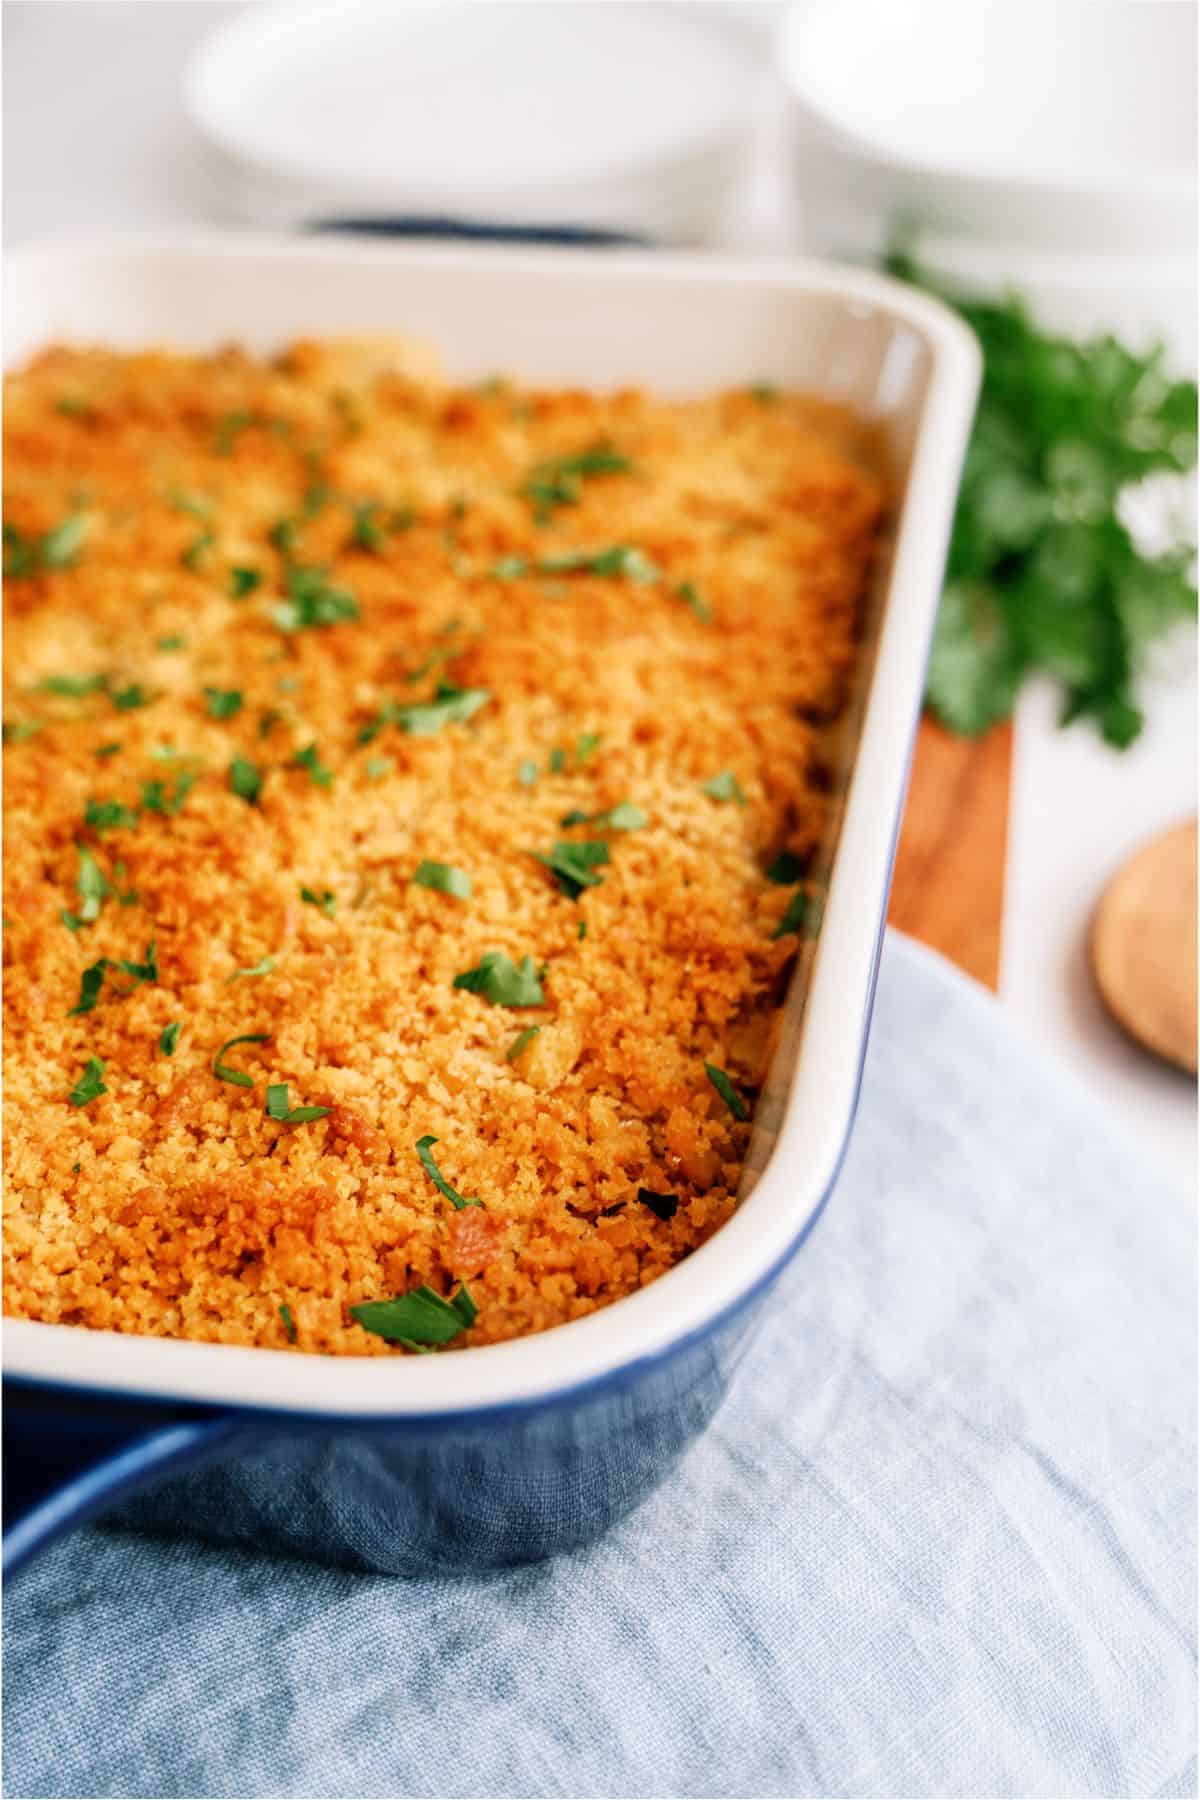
[521, 1448]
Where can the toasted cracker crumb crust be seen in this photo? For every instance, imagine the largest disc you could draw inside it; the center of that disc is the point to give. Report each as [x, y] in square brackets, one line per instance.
[172, 1204]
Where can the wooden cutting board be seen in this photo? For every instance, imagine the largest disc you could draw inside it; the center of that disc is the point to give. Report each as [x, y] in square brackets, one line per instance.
[948, 889]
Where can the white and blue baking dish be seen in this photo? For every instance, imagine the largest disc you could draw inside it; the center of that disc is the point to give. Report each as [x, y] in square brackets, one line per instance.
[515, 1450]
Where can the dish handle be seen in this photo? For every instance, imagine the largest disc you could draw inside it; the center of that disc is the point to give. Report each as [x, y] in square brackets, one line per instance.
[68, 1457]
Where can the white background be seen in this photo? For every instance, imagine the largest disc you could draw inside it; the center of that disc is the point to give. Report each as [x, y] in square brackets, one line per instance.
[95, 139]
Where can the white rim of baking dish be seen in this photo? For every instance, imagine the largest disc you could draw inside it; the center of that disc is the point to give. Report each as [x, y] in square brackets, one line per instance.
[690, 1299]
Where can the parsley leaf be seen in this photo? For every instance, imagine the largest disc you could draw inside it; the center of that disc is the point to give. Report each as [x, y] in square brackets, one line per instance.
[623, 560]
[108, 815]
[90, 984]
[451, 706]
[222, 703]
[243, 581]
[90, 1084]
[663, 1206]
[168, 1042]
[61, 546]
[527, 773]
[787, 868]
[277, 1107]
[558, 481]
[418, 1317]
[725, 786]
[325, 901]
[312, 602]
[91, 885]
[803, 916]
[1044, 574]
[573, 865]
[310, 759]
[502, 982]
[625, 816]
[689, 593]
[238, 1077]
[289, 1324]
[245, 780]
[727, 1091]
[72, 687]
[129, 699]
[265, 966]
[425, 1152]
[443, 877]
[521, 1042]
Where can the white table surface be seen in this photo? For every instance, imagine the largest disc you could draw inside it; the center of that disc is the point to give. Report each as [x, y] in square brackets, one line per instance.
[95, 140]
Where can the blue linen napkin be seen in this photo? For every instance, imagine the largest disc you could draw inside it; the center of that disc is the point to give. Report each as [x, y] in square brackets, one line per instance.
[940, 1540]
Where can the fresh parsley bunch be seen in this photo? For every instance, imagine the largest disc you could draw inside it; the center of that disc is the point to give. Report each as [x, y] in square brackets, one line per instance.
[1043, 575]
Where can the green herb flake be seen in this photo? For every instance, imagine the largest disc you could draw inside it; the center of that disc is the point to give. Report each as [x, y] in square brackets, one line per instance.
[72, 687]
[625, 816]
[325, 902]
[418, 1318]
[245, 780]
[557, 762]
[243, 581]
[502, 982]
[60, 547]
[787, 868]
[131, 698]
[91, 886]
[574, 865]
[108, 815]
[222, 703]
[450, 706]
[277, 1107]
[197, 550]
[624, 561]
[725, 786]
[376, 767]
[527, 773]
[265, 966]
[168, 1042]
[156, 798]
[559, 481]
[174, 642]
[689, 593]
[104, 751]
[521, 1042]
[803, 916]
[583, 930]
[444, 878]
[764, 392]
[313, 603]
[309, 759]
[90, 1085]
[197, 506]
[90, 984]
[425, 1153]
[663, 1206]
[21, 730]
[238, 1077]
[367, 533]
[509, 568]
[727, 1091]
[288, 1322]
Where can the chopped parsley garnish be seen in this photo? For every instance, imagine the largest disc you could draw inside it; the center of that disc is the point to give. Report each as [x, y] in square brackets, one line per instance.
[268, 721]
[688, 592]
[155, 798]
[197, 550]
[91, 885]
[60, 547]
[443, 877]
[277, 1107]
[21, 730]
[623, 817]
[663, 1206]
[623, 560]
[245, 780]
[92, 979]
[222, 703]
[90, 1085]
[312, 602]
[325, 901]
[725, 786]
[527, 773]
[129, 699]
[573, 865]
[582, 932]
[367, 533]
[309, 759]
[243, 581]
[521, 1042]
[72, 687]
[197, 506]
[289, 1324]
[418, 1318]
[425, 1152]
[803, 916]
[174, 642]
[265, 966]
[559, 481]
[283, 536]
[108, 815]
[238, 1077]
[727, 1091]
[557, 762]
[502, 982]
[376, 767]
[450, 706]
[587, 744]
[509, 567]
[104, 751]
[787, 868]
[168, 1042]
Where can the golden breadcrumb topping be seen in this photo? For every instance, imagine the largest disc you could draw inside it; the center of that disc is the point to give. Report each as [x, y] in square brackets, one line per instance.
[327, 685]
